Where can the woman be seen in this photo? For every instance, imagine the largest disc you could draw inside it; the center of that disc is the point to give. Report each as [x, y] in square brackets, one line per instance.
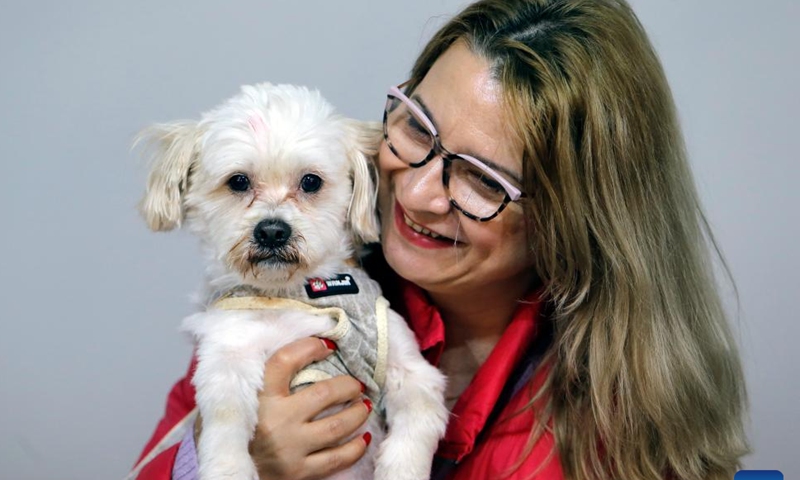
[546, 244]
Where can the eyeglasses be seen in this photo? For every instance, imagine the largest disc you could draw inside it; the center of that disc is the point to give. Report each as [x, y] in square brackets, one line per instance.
[474, 188]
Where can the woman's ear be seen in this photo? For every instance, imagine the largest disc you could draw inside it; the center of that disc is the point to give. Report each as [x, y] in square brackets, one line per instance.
[363, 141]
[175, 147]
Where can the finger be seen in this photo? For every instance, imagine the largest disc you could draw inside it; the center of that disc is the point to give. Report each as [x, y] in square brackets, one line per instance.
[290, 359]
[324, 394]
[331, 430]
[331, 460]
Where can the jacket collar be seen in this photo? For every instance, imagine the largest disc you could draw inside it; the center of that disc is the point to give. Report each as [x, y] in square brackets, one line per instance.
[471, 413]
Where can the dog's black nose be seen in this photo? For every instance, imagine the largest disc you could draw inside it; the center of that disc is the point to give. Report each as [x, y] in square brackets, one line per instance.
[272, 233]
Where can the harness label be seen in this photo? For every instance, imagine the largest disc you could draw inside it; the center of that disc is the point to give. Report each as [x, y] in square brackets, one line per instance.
[342, 284]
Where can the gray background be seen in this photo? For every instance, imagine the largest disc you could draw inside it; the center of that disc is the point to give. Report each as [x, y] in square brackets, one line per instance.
[91, 300]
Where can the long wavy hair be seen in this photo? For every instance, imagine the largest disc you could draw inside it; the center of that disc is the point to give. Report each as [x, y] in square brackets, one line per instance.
[643, 377]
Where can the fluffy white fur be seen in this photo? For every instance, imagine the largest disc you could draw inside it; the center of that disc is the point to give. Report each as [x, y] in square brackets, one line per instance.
[275, 135]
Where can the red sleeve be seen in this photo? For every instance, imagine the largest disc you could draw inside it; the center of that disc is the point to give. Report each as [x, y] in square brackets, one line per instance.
[179, 403]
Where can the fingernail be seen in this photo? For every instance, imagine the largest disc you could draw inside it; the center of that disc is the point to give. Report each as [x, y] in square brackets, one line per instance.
[329, 344]
[363, 387]
[368, 404]
[367, 438]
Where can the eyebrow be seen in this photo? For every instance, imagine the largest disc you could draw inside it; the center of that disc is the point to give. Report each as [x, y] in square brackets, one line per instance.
[489, 163]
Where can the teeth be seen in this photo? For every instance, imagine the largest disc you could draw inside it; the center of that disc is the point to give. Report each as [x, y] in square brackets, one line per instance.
[420, 228]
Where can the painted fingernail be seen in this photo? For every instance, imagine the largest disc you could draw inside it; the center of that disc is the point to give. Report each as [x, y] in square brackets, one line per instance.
[329, 344]
[367, 438]
[368, 404]
[363, 387]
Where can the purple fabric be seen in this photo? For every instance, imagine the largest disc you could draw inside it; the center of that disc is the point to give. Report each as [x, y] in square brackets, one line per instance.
[186, 466]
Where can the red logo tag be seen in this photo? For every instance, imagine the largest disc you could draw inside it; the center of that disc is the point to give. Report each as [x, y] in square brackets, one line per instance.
[317, 285]
[341, 284]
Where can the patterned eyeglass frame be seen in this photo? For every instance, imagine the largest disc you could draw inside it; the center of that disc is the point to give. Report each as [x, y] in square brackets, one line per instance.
[513, 194]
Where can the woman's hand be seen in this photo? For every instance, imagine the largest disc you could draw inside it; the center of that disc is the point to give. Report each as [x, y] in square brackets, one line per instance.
[288, 442]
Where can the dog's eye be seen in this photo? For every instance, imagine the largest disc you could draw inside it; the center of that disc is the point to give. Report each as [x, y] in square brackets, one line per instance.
[239, 183]
[311, 183]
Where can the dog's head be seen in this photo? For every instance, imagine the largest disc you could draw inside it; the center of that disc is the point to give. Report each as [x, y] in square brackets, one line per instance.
[276, 185]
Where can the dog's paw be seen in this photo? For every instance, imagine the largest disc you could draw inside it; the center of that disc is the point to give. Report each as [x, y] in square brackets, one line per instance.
[402, 461]
[231, 468]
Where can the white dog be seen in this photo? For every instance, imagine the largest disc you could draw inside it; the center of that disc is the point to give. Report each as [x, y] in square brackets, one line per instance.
[281, 191]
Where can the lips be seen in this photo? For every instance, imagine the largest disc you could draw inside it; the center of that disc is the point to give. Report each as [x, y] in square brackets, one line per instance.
[417, 234]
[419, 228]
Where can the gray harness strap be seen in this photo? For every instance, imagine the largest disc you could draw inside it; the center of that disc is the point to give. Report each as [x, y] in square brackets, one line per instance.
[360, 332]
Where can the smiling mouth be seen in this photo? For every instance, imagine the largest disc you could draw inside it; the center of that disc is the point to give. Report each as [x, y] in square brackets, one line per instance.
[420, 229]
[424, 231]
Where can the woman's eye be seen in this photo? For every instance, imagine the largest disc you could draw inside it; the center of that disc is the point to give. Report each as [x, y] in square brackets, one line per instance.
[483, 181]
[417, 129]
[239, 183]
[310, 183]
[491, 184]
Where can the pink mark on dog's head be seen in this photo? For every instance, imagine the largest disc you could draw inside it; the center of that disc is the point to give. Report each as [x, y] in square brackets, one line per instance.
[256, 122]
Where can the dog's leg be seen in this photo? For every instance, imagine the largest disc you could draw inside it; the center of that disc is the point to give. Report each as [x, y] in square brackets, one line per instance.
[229, 374]
[415, 410]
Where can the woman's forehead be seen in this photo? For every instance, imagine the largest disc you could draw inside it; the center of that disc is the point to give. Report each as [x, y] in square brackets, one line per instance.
[463, 80]
[465, 102]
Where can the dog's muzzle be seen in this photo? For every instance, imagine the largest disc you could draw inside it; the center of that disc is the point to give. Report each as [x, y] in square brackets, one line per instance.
[273, 243]
[272, 234]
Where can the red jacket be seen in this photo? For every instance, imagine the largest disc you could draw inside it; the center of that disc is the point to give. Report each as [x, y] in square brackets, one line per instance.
[486, 435]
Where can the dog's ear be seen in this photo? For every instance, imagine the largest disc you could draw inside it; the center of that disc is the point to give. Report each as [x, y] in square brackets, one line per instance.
[363, 141]
[174, 147]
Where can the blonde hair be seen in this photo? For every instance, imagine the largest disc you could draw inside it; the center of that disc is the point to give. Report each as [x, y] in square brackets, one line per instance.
[643, 376]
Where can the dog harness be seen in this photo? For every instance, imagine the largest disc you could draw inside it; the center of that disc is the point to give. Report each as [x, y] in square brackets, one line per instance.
[354, 301]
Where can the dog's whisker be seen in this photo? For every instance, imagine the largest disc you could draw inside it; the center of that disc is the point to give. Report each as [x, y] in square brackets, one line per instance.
[237, 244]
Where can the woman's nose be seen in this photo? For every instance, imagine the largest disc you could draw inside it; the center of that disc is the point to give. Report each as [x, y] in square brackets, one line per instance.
[423, 189]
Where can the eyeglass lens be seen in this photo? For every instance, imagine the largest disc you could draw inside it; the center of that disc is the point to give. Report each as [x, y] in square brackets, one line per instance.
[469, 186]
